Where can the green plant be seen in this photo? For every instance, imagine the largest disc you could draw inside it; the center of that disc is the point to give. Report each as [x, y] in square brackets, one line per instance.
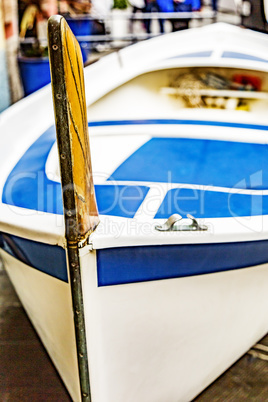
[121, 4]
[34, 49]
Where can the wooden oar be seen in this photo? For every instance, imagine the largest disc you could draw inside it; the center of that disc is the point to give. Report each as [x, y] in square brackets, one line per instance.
[80, 209]
[67, 76]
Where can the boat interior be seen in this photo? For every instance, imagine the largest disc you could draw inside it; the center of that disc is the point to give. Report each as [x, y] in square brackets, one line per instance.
[167, 91]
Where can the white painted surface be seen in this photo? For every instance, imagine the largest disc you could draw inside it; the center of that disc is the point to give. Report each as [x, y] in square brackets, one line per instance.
[167, 340]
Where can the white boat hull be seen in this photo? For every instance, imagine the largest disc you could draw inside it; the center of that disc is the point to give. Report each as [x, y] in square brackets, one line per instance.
[163, 340]
[168, 340]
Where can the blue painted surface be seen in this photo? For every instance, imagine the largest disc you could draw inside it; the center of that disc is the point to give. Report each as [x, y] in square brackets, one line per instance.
[242, 56]
[210, 204]
[139, 264]
[28, 186]
[201, 162]
[206, 53]
[35, 73]
[43, 257]
[204, 162]
[81, 27]
[120, 200]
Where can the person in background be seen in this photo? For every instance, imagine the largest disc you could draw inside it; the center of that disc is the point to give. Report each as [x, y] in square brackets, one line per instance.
[214, 4]
[33, 19]
[48, 8]
[253, 15]
[196, 5]
[101, 7]
[181, 6]
[33, 16]
[137, 5]
[166, 6]
[75, 7]
[152, 6]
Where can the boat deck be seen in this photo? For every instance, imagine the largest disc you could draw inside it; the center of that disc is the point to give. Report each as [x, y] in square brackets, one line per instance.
[26, 371]
[203, 168]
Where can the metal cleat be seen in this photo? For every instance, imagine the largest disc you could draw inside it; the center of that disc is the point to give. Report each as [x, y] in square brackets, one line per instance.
[171, 224]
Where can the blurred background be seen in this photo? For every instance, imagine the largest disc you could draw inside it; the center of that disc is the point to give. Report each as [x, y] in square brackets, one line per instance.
[101, 26]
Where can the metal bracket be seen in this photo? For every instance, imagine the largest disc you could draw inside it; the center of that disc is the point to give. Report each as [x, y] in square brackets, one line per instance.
[170, 224]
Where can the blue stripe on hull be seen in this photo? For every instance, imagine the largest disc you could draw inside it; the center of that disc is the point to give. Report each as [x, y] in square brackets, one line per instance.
[43, 257]
[149, 263]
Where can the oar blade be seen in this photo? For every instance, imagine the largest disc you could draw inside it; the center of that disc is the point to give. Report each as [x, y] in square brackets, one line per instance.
[81, 214]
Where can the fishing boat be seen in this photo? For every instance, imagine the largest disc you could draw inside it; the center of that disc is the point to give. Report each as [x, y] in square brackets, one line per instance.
[140, 251]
